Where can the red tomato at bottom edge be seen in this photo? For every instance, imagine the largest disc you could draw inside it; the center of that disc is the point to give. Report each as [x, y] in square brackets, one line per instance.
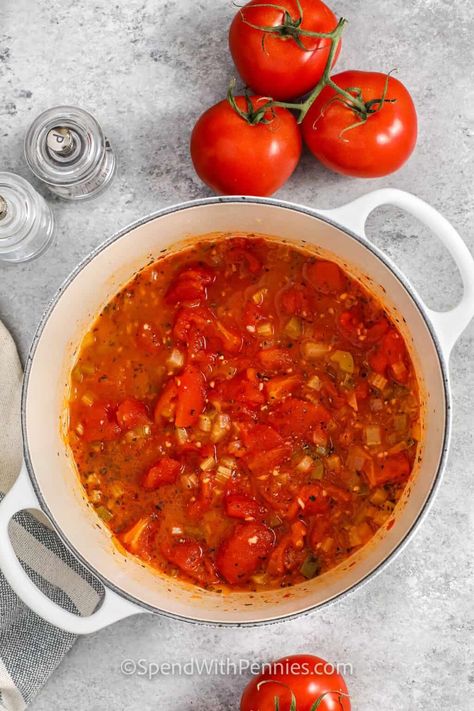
[308, 678]
[379, 146]
[234, 157]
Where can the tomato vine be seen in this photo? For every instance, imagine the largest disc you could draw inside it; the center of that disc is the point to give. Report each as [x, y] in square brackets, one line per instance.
[352, 98]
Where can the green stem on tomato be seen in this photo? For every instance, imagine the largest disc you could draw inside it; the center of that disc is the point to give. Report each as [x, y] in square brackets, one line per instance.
[355, 101]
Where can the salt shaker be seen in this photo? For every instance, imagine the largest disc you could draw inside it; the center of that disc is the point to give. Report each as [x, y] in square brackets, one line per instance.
[26, 221]
[66, 149]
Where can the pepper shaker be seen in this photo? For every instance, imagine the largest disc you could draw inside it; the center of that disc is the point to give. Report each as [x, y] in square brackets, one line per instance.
[66, 149]
[26, 221]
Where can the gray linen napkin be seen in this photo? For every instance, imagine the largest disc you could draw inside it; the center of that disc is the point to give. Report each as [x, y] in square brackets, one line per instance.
[30, 649]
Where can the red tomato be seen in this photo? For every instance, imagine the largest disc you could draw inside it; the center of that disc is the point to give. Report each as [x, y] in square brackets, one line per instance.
[326, 277]
[299, 418]
[166, 405]
[313, 498]
[375, 148]
[275, 360]
[188, 555]
[241, 390]
[242, 255]
[394, 468]
[295, 301]
[273, 64]
[390, 353]
[132, 413]
[165, 472]
[242, 553]
[191, 397]
[190, 284]
[99, 423]
[233, 156]
[242, 506]
[148, 338]
[303, 679]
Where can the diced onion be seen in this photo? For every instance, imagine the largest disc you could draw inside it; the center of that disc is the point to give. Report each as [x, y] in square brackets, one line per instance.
[399, 370]
[176, 359]
[95, 496]
[116, 490]
[400, 423]
[88, 399]
[293, 328]
[181, 435]
[376, 404]
[265, 329]
[356, 459]
[207, 464]
[305, 464]
[139, 432]
[352, 400]
[314, 383]
[220, 428]
[333, 462]
[313, 351]
[378, 381]
[189, 481]
[318, 470]
[229, 462]
[80, 429]
[344, 360]
[223, 474]
[259, 296]
[379, 497]
[372, 435]
[205, 423]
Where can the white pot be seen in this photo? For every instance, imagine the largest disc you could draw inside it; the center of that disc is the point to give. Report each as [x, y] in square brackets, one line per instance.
[49, 480]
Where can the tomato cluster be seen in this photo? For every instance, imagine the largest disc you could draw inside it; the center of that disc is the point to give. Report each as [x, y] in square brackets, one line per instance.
[357, 123]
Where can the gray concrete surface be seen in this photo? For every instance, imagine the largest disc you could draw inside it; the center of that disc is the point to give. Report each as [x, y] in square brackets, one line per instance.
[147, 68]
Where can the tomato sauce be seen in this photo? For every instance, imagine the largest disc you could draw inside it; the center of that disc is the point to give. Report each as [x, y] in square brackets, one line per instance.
[244, 415]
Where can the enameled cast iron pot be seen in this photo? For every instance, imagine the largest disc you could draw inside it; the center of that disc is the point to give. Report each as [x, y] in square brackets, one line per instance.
[48, 480]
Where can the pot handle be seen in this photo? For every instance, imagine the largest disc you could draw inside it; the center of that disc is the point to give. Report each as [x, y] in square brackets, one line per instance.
[22, 496]
[448, 324]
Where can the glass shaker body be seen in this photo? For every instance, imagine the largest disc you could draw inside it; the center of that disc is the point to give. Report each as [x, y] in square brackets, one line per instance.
[26, 220]
[66, 149]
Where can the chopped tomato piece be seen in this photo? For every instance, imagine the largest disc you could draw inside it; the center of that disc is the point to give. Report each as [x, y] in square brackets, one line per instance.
[149, 338]
[314, 499]
[377, 330]
[166, 405]
[242, 390]
[326, 277]
[319, 530]
[261, 437]
[298, 418]
[243, 552]
[190, 284]
[165, 472]
[295, 301]
[188, 555]
[281, 386]
[99, 422]
[281, 560]
[243, 256]
[132, 413]
[392, 469]
[242, 506]
[191, 397]
[275, 360]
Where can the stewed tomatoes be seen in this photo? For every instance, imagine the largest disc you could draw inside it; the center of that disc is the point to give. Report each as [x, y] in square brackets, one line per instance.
[244, 413]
